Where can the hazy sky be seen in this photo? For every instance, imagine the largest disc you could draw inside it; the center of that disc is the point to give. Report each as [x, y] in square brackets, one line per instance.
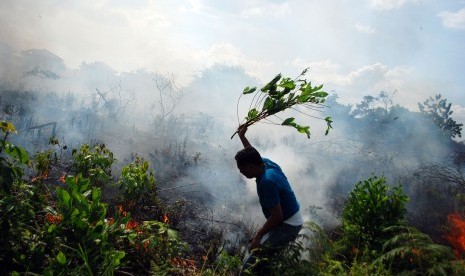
[356, 48]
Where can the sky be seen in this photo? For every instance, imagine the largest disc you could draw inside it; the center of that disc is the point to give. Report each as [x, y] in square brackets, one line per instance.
[412, 48]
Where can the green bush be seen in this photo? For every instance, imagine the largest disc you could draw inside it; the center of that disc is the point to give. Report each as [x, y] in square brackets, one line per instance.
[94, 163]
[82, 237]
[411, 251]
[20, 234]
[12, 158]
[137, 180]
[372, 207]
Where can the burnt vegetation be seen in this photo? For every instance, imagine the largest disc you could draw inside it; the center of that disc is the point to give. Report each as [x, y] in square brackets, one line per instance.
[84, 191]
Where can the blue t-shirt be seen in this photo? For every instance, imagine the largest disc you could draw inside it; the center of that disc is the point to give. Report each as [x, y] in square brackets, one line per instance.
[273, 189]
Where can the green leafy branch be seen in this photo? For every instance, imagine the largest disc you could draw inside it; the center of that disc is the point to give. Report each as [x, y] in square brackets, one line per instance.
[283, 93]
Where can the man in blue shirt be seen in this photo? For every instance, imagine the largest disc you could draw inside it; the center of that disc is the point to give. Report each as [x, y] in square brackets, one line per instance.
[277, 199]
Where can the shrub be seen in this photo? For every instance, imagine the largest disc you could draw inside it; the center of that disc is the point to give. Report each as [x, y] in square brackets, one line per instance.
[411, 251]
[94, 163]
[372, 207]
[83, 238]
[20, 244]
[137, 180]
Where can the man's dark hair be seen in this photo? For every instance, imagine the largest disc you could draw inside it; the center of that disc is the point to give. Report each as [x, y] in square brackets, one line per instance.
[248, 155]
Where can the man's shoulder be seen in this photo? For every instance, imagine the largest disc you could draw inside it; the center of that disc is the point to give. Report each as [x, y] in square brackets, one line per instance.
[273, 175]
[269, 164]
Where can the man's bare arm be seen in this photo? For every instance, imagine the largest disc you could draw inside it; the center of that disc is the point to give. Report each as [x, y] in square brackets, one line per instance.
[274, 219]
[241, 132]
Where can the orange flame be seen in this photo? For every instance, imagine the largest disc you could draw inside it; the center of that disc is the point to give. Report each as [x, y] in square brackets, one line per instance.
[121, 210]
[188, 264]
[43, 176]
[166, 219]
[146, 245]
[132, 224]
[456, 235]
[54, 219]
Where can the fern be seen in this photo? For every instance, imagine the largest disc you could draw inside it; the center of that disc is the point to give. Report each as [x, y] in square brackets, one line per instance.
[413, 251]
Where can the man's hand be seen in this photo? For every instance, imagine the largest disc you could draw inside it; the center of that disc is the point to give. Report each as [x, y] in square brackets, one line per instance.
[256, 241]
[242, 129]
[274, 219]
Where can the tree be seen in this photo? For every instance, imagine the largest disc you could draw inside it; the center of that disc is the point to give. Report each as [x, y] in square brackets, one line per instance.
[439, 112]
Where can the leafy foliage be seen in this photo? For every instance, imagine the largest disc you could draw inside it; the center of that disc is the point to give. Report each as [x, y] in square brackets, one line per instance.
[94, 163]
[438, 110]
[136, 180]
[83, 236]
[19, 202]
[283, 93]
[411, 251]
[372, 206]
[69, 231]
[12, 160]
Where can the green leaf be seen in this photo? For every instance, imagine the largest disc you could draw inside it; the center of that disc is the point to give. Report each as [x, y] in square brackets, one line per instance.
[275, 79]
[316, 88]
[288, 122]
[307, 89]
[304, 129]
[253, 113]
[272, 84]
[65, 197]
[7, 127]
[321, 94]
[305, 95]
[249, 90]
[117, 256]
[268, 104]
[61, 258]
[132, 236]
[96, 193]
[328, 125]
[17, 152]
[51, 228]
[287, 83]
[74, 214]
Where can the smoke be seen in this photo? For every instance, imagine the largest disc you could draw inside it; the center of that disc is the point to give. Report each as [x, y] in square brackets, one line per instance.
[185, 132]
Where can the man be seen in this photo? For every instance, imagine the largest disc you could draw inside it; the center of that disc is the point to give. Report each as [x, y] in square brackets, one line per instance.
[277, 199]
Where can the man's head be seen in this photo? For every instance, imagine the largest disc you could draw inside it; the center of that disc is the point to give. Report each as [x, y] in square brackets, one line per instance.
[249, 162]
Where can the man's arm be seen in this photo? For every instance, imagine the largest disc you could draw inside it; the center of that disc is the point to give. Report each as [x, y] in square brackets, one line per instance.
[274, 219]
[241, 132]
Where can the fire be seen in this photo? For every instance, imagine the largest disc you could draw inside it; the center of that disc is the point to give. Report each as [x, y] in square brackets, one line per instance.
[40, 177]
[188, 264]
[166, 219]
[121, 210]
[54, 219]
[456, 235]
[132, 224]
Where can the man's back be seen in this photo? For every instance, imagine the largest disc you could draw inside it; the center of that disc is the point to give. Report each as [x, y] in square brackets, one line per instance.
[274, 188]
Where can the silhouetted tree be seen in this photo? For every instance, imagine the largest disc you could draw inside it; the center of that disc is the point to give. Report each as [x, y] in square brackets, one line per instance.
[439, 112]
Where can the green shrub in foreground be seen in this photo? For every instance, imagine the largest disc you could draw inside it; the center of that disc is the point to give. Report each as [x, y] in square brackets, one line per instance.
[372, 207]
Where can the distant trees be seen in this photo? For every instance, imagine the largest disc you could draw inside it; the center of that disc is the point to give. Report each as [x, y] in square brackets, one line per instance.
[438, 110]
[169, 96]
